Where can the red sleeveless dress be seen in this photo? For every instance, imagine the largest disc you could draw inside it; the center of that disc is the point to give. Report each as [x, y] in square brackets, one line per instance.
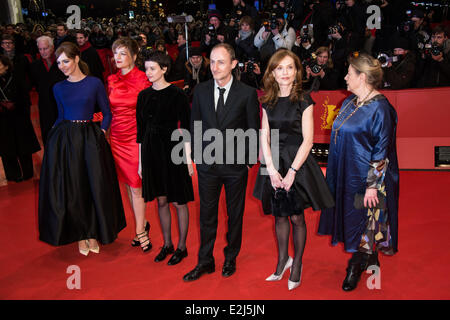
[123, 91]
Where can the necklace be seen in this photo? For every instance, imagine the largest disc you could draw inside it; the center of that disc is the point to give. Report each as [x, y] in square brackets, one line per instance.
[358, 105]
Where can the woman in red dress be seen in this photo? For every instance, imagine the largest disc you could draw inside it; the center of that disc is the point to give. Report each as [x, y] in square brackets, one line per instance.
[123, 89]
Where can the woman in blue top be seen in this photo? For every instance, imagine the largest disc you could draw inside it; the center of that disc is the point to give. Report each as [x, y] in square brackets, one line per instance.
[362, 164]
[79, 195]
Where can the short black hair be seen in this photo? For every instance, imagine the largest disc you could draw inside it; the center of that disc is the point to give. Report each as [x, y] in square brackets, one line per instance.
[85, 33]
[440, 29]
[162, 59]
[62, 24]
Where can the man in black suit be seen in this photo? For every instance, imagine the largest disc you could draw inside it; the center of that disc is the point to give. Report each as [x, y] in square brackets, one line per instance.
[221, 104]
[44, 75]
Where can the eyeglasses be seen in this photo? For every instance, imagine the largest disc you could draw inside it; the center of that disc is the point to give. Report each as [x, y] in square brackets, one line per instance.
[7, 42]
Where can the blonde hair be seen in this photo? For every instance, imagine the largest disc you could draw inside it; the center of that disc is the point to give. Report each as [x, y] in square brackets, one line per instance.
[371, 67]
[271, 88]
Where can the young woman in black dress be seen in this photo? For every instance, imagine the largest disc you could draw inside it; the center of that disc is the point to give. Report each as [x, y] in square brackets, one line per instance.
[289, 110]
[162, 109]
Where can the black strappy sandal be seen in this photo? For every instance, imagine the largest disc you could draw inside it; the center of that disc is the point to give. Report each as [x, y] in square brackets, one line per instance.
[136, 243]
[145, 245]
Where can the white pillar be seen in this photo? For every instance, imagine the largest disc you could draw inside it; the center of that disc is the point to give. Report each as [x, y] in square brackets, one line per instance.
[15, 11]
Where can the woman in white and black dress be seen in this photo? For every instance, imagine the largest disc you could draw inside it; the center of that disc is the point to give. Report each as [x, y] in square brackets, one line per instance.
[294, 172]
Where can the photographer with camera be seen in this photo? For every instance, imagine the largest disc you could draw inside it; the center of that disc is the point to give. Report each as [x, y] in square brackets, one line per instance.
[241, 9]
[250, 73]
[339, 51]
[274, 34]
[320, 74]
[213, 32]
[436, 70]
[415, 30]
[303, 45]
[399, 74]
[245, 47]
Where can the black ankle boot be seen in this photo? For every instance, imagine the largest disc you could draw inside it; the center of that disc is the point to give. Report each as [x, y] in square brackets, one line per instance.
[354, 272]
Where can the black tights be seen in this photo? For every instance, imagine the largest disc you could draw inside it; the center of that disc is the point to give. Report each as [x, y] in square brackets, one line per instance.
[166, 222]
[282, 229]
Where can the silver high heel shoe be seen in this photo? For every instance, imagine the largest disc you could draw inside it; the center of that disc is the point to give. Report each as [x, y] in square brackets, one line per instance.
[84, 252]
[292, 285]
[274, 277]
[94, 249]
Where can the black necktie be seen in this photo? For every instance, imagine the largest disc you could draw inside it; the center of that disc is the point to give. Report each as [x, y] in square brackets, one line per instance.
[220, 104]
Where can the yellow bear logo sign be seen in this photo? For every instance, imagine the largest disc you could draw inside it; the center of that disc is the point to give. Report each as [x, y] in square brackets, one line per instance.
[329, 114]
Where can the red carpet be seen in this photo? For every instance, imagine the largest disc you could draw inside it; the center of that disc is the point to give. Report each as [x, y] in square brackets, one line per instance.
[30, 269]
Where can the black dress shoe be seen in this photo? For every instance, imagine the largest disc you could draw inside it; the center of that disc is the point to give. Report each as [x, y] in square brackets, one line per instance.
[163, 253]
[198, 271]
[229, 268]
[177, 257]
[353, 275]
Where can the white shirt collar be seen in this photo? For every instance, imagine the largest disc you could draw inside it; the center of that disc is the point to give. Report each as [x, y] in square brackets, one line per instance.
[227, 86]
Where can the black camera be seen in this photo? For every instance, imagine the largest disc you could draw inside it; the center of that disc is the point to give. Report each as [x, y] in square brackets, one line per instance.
[271, 24]
[136, 37]
[251, 65]
[315, 67]
[335, 29]
[385, 58]
[305, 38]
[212, 31]
[341, 5]
[311, 62]
[433, 49]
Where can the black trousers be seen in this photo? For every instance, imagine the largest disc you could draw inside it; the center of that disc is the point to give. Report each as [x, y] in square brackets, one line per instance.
[210, 185]
[18, 167]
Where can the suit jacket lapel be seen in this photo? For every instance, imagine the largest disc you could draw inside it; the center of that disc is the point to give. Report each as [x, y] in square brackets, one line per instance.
[211, 107]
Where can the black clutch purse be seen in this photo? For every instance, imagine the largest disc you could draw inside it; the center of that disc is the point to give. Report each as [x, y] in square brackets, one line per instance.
[359, 201]
[284, 203]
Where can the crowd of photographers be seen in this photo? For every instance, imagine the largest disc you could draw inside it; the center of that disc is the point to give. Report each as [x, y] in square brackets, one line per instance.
[321, 32]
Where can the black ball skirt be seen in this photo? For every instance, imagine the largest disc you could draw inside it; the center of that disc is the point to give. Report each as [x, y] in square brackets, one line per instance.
[79, 194]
